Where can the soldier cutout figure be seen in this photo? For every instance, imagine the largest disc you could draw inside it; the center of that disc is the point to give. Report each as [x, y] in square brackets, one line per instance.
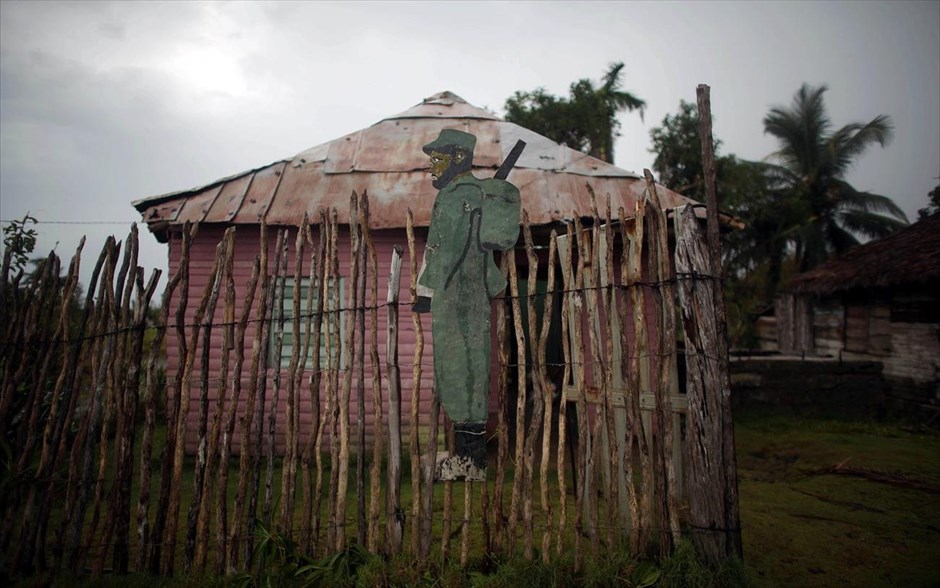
[470, 220]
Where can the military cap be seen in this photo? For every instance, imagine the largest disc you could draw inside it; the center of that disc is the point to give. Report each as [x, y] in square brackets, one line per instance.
[451, 138]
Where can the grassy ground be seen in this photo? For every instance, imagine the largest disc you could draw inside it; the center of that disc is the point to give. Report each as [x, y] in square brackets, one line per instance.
[802, 525]
[805, 527]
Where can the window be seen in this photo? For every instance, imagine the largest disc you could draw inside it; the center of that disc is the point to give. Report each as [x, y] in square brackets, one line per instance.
[287, 327]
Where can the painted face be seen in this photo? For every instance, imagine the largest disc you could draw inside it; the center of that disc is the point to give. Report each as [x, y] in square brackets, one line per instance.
[440, 164]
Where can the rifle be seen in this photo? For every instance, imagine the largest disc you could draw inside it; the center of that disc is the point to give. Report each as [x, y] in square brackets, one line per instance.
[503, 172]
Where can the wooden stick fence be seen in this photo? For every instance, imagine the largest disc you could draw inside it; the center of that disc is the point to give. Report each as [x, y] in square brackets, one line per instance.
[98, 432]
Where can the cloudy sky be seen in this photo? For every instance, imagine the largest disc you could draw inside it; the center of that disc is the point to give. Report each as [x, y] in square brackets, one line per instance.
[105, 103]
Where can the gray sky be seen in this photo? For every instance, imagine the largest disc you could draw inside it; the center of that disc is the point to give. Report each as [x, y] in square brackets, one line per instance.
[105, 103]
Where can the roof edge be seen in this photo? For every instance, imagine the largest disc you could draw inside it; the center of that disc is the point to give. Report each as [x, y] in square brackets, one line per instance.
[148, 201]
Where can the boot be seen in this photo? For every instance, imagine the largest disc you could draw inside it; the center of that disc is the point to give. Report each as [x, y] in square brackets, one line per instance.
[469, 459]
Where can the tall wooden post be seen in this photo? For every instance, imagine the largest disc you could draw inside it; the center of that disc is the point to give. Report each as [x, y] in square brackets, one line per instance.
[396, 519]
[731, 522]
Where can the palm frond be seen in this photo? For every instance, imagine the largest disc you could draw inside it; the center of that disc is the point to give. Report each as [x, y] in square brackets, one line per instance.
[800, 129]
[611, 79]
[851, 199]
[846, 144]
[778, 176]
[626, 100]
[614, 97]
[869, 224]
[782, 125]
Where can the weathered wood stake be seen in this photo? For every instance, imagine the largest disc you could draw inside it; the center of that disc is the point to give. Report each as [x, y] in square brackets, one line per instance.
[394, 512]
[732, 509]
[241, 513]
[415, 393]
[378, 434]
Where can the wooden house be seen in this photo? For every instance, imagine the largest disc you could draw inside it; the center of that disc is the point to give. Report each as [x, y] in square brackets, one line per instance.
[386, 161]
[880, 301]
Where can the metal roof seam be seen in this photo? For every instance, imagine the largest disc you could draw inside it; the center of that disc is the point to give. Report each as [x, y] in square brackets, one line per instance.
[280, 178]
[218, 191]
[355, 158]
[234, 211]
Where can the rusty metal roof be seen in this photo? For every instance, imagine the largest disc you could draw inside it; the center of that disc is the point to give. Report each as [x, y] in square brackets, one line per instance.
[386, 160]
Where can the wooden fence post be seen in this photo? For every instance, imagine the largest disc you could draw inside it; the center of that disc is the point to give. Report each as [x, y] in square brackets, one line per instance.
[394, 512]
[584, 433]
[279, 284]
[714, 246]
[717, 535]
[548, 395]
[519, 474]
[429, 461]
[375, 472]
[638, 376]
[127, 434]
[205, 313]
[155, 548]
[565, 261]
[415, 393]
[336, 348]
[361, 517]
[241, 514]
[298, 360]
[502, 427]
[225, 563]
[146, 451]
[538, 396]
[196, 524]
[664, 292]
[587, 246]
[312, 449]
[321, 416]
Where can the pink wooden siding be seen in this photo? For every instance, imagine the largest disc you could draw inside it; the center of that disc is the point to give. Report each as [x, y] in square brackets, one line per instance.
[246, 247]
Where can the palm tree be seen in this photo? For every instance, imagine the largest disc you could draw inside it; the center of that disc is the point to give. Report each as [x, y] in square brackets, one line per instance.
[601, 106]
[827, 215]
[586, 120]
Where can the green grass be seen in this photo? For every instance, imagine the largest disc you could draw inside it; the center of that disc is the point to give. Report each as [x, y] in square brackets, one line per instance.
[802, 527]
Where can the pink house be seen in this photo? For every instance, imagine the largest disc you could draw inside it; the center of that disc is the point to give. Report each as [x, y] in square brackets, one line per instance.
[387, 162]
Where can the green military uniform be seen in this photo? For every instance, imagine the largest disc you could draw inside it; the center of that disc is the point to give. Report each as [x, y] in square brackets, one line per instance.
[471, 218]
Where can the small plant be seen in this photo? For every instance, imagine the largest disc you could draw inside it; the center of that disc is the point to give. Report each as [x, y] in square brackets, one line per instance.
[20, 240]
[644, 574]
[683, 569]
[612, 570]
[340, 569]
[282, 563]
[516, 572]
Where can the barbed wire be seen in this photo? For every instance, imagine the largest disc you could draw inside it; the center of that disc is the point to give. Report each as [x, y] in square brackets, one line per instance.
[64, 222]
[345, 311]
[427, 362]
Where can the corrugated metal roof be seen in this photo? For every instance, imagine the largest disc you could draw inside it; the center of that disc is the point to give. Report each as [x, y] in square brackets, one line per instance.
[386, 160]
